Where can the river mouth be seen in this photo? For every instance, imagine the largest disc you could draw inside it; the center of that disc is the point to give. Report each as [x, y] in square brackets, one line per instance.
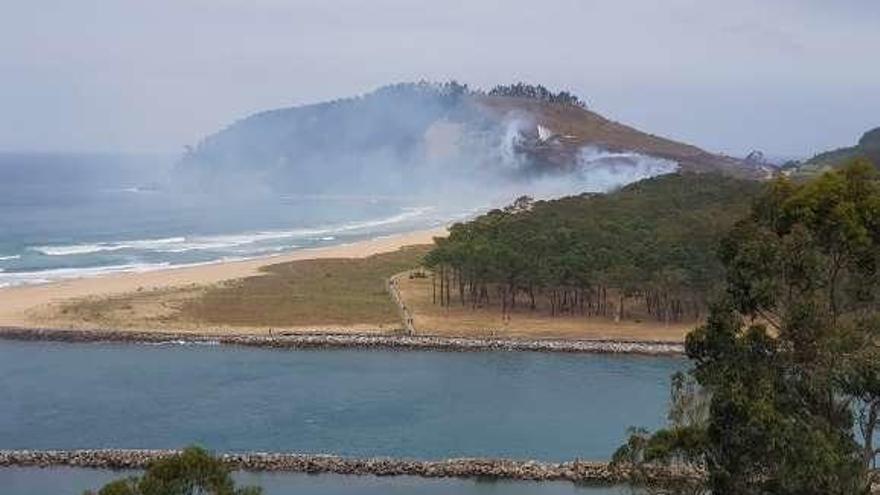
[361, 403]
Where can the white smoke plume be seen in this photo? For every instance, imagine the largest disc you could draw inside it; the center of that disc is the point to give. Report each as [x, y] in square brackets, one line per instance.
[600, 170]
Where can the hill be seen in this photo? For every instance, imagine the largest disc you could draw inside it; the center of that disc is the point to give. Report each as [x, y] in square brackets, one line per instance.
[574, 127]
[868, 147]
[422, 136]
[650, 245]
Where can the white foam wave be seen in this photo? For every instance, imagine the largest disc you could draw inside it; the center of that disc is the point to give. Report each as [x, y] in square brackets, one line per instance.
[75, 249]
[9, 258]
[227, 242]
[44, 276]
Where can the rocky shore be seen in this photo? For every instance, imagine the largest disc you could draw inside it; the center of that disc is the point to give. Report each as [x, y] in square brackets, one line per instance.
[574, 471]
[280, 339]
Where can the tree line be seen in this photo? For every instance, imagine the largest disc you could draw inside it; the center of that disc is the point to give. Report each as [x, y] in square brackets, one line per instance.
[537, 92]
[784, 385]
[589, 255]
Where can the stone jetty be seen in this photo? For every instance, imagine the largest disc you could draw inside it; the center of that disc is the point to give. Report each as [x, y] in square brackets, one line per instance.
[281, 339]
[118, 459]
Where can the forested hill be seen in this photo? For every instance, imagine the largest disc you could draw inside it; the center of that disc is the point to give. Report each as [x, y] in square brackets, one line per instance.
[653, 242]
[407, 135]
[867, 147]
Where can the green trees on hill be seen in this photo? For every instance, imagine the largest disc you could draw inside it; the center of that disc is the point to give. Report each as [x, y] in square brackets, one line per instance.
[789, 357]
[868, 147]
[652, 242]
[537, 92]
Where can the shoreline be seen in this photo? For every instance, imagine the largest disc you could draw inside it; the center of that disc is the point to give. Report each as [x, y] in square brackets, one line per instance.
[18, 302]
[577, 471]
[300, 341]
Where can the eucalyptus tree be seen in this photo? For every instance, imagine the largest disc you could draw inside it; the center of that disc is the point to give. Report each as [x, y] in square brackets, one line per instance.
[789, 355]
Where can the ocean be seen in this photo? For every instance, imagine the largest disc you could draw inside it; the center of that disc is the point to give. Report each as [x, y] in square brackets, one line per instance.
[74, 215]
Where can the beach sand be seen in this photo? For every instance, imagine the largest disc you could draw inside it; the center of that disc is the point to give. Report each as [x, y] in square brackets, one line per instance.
[22, 306]
[152, 302]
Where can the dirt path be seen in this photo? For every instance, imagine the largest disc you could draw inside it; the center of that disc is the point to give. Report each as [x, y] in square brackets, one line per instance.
[405, 314]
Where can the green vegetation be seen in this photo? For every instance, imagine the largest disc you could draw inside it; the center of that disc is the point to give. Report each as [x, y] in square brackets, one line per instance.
[868, 147]
[342, 291]
[386, 141]
[789, 359]
[653, 241]
[537, 92]
[339, 292]
[192, 472]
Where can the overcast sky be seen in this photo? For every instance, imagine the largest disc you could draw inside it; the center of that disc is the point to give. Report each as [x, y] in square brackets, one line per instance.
[784, 76]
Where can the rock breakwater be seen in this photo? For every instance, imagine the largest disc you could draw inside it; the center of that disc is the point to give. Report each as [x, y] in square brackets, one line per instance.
[280, 339]
[117, 459]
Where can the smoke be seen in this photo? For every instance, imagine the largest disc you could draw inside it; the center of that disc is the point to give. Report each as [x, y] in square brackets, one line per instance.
[417, 141]
[600, 170]
[493, 164]
[514, 129]
[401, 158]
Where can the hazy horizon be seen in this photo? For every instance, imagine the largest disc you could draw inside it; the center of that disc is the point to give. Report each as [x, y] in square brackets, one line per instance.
[789, 78]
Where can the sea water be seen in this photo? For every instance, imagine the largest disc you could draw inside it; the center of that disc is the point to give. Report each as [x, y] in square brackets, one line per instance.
[73, 215]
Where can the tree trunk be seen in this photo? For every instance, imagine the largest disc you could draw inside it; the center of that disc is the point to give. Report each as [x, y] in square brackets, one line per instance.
[869, 426]
[619, 308]
[442, 277]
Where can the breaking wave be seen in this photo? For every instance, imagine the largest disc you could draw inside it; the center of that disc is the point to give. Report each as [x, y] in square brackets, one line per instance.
[148, 244]
[226, 242]
[141, 255]
[8, 279]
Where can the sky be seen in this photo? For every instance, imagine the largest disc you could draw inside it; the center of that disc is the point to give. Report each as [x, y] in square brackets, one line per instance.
[789, 77]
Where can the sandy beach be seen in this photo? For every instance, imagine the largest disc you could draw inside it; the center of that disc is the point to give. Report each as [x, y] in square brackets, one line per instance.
[250, 300]
[18, 304]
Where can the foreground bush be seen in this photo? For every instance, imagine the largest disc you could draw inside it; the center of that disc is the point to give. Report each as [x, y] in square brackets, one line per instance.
[194, 471]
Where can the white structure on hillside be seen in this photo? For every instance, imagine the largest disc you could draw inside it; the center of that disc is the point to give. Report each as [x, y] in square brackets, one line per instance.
[544, 133]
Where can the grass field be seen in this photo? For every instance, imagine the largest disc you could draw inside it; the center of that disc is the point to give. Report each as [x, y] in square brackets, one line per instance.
[335, 293]
[311, 292]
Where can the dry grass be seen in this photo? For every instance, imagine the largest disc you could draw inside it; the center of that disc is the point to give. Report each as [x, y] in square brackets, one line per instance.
[334, 293]
[584, 127]
[311, 292]
[487, 322]
[143, 309]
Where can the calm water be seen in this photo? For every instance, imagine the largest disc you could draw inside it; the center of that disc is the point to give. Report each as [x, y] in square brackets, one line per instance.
[65, 481]
[348, 402]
